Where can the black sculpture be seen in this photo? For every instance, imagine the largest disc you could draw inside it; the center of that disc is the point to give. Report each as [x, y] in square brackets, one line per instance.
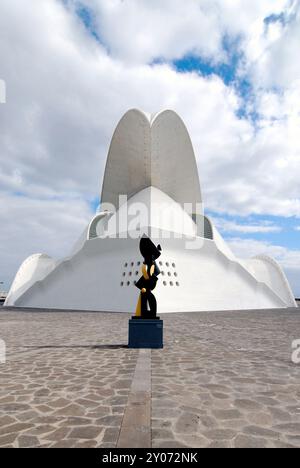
[148, 281]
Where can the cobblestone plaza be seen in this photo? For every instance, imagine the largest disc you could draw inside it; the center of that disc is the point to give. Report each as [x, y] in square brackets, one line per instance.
[223, 379]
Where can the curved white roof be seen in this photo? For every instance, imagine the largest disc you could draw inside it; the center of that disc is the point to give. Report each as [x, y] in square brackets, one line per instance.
[151, 151]
[33, 269]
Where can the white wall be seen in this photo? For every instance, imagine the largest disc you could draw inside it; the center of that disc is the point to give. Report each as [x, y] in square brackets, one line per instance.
[207, 279]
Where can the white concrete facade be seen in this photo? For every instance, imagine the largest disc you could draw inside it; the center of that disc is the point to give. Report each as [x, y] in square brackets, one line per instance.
[151, 161]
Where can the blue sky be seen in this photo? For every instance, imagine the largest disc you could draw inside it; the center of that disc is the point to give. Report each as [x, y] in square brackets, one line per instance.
[231, 71]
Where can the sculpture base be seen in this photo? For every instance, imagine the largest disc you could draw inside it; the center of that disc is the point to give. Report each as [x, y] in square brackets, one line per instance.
[145, 333]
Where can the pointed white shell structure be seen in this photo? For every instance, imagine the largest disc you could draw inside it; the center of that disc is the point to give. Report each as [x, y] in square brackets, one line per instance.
[151, 164]
[151, 151]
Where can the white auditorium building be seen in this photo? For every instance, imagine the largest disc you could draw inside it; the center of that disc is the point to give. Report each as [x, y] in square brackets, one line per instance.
[150, 166]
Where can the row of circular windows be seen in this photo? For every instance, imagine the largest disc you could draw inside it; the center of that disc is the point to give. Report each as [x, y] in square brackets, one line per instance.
[130, 273]
[165, 283]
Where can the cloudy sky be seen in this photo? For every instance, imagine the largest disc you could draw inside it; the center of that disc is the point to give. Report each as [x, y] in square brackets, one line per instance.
[71, 68]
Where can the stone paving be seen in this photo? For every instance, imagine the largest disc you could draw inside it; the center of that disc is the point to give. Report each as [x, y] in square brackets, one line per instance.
[66, 380]
[223, 379]
[227, 380]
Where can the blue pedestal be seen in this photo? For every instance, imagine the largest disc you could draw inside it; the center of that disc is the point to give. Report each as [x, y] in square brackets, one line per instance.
[145, 333]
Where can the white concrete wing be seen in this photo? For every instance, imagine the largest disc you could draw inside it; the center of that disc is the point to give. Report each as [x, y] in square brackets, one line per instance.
[267, 270]
[34, 268]
[156, 152]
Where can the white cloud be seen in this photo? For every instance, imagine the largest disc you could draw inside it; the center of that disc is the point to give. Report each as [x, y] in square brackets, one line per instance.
[272, 50]
[38, 226]
[246, 248]
[232, 226]
[139, 31]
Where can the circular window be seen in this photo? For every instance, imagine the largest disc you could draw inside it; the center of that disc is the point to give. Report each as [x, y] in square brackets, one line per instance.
[122, 284]
[167, 264]
[171, 283]
[126, 265]
[138, 263]
[169, 273]
[160, 263]
[173, 265]
[177, 284]
[163, 273]
[136, 273]
[165, 283]
[128, 283]
[124, 273]
[130, 273]
[175, 274]
[132, 263]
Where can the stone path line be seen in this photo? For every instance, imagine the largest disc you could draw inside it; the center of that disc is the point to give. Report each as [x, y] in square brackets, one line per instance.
[136, 425]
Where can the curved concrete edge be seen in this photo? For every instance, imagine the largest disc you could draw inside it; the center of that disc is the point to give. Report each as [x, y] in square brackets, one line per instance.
[275, 277]
[35, 268]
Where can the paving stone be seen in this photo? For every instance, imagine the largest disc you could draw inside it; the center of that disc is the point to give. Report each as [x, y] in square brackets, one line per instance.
[220, 396]
[138, 436]
[191, 440]
[248, 405]
[219, 444]
[65, 443]
[6, 421]
[86, 444]
[8, 439]
[59, 434]
[118, 409]
[75, 421]
[161, 423]
[85, 432]
[111, 434]
[59, 403]
[71, 410]
[161, 434]
[40, 430]
[28, 441]
[280, 415]
[27, 416]
[289, 428]
[14, 408]
[187, 423]
[168, 444]
[227, 414]
[220, 434]
[164, 412]
[17, 427]
[114, 420]
[260, 419]
[243, 441]
[261, 432]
